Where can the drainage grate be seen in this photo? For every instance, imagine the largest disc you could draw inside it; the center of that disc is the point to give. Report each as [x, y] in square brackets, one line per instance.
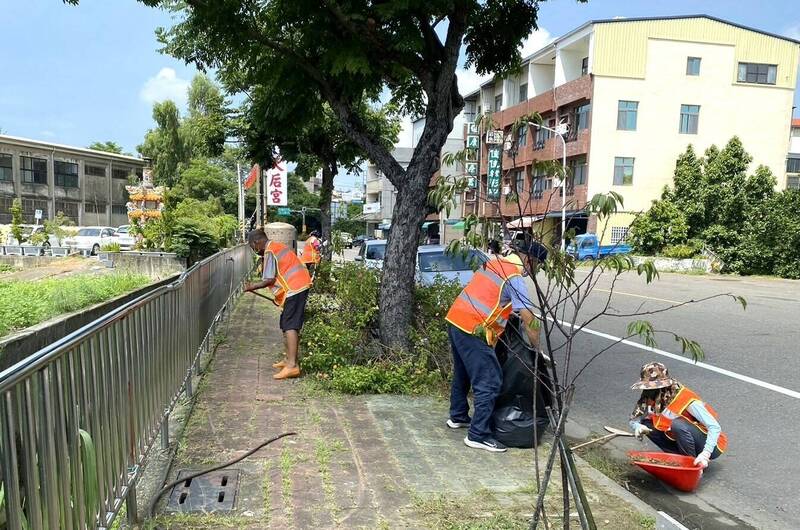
[213, 492]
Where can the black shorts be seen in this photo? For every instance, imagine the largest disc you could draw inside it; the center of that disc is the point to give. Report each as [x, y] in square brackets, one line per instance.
[294, 312]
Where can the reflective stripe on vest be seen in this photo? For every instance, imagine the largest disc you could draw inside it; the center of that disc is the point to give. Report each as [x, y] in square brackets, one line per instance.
[678, 406]
[310, 252]
[478, 305]
[291, 276]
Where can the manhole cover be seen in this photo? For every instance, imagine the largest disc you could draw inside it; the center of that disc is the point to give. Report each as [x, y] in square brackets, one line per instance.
[212, 492]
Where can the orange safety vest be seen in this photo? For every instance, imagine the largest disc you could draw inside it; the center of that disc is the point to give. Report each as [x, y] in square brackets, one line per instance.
[678, 406]
[478, 305]
[292, 276]
[310, 253]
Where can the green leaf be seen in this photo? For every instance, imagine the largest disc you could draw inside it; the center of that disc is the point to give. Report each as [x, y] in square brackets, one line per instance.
[741, 300]
[91, 487]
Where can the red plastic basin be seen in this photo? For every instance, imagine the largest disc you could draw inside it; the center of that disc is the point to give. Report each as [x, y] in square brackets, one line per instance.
[684, 477]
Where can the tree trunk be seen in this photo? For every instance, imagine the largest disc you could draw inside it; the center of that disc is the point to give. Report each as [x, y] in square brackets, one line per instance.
[397, 283]
[329, 171]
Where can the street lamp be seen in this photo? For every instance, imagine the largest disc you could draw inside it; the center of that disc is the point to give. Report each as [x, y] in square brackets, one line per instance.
[560, 131]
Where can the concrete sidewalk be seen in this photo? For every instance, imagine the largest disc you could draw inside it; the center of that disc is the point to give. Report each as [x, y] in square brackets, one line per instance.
[357, 462]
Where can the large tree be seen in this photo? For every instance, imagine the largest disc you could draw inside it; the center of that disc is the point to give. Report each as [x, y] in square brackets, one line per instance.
[352, 49]
[306, 131]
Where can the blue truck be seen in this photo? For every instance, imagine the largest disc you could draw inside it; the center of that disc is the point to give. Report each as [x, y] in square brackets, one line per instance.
[587, 246]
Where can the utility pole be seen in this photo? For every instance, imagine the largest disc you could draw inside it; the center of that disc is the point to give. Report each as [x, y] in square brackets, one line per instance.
[240, 190]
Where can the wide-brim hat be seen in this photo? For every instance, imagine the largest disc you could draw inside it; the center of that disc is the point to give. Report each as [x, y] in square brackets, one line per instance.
[653, 375]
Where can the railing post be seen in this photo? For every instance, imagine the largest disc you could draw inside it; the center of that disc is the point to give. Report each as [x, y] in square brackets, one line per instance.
[131, 508]
[189, 385]
[165, 431]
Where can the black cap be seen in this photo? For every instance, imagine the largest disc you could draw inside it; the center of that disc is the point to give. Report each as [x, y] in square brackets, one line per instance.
[531, 249]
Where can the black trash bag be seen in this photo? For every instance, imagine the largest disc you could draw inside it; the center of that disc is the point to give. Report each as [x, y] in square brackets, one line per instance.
[513, 419]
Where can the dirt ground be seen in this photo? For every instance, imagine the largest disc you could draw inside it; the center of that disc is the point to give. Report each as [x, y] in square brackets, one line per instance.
[59, 268]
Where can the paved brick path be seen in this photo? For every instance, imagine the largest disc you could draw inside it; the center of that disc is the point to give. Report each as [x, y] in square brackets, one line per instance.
[357, 462]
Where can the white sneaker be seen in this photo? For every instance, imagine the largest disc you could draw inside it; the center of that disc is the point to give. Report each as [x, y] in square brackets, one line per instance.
[489, 444]
[457, 424]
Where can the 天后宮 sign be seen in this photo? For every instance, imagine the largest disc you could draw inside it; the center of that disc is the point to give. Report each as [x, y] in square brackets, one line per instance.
[277, 184]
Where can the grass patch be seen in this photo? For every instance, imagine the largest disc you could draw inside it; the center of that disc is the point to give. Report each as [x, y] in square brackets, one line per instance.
[197, 522]
[323, 451]
[287, 465]
[26, 303]
[599, 459]
[6, 268]
[266, 490]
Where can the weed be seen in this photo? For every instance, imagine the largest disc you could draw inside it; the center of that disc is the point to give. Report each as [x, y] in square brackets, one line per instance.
[323, 451]
[647, 522]
[611, 468]
[265, 489]
[197, 522]
[287, 464]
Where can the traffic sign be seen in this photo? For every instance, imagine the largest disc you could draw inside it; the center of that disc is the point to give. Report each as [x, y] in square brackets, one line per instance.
[284, 210]
[37, 214]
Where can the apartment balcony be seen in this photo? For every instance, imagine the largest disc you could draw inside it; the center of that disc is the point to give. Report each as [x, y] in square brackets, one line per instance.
[544, 201]
[375, 185]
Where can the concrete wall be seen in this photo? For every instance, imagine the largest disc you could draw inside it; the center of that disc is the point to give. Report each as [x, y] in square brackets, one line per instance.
[16, 347]
[156, 265]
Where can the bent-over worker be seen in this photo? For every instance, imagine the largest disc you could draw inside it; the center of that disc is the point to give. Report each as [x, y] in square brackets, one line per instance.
[476, 320]
[289, 281]
[312, 254]
[674, 417]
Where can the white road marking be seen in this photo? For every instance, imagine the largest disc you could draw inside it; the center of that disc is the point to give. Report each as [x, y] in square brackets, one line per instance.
[710, 367]
[639, 296]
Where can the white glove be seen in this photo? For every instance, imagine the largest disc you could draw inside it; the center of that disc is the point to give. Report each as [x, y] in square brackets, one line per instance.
[641, 431]
[702, 459]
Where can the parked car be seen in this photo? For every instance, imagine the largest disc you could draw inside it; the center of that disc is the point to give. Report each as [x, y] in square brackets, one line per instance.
[124, 238]
[91, 238]
[359, 240]
[587, 246]
[372, 253]
[434, 261]
[347, 239]
[27, 232]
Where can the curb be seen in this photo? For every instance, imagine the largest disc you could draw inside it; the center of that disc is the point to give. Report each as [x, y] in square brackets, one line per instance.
[615, 489]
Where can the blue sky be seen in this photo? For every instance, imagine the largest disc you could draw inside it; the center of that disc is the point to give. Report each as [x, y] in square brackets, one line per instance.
[74, 75]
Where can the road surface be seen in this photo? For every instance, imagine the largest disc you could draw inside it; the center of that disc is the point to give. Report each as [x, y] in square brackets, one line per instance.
[751, 375]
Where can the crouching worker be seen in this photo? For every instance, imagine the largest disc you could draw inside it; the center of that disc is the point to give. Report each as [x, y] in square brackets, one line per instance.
[476, 320]
[674, 417]
[289, 281]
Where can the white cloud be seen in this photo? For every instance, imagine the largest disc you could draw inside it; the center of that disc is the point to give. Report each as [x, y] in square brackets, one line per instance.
[535, 42]
[165, 85]
[48, 134]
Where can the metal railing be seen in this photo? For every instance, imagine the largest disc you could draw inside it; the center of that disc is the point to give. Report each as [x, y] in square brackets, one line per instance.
[110, 384]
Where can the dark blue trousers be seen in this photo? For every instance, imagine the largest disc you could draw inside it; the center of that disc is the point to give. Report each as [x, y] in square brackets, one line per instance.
[474, 365]
[689, 440]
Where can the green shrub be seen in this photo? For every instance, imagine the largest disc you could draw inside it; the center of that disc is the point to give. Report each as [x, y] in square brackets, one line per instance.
[39, 238]
[111, 247]
[429, 334]
[680, 252]
[327, 344]
[193, 241]
[382, 378]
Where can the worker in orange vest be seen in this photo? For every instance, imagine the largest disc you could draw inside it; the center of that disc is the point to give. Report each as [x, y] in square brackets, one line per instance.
[675, 418]
[311, 251]
[476, 321]
[289, 281]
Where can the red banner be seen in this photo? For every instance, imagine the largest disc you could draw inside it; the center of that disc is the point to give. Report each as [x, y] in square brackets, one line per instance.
[251, 177]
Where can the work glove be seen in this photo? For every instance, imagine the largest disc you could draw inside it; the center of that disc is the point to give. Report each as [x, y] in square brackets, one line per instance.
[702, 459]
[641, 431]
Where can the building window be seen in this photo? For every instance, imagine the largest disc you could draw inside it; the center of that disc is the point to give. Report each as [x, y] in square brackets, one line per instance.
[5, 210]
[519, 181]
[95, 207]
[762, 74]
[627, 113]
[793, 165]
[5, 168]
[693, 66]
[578, 170]
[793, 183]
[523, 92]
[623, 171]
[34, 170]
[541, 183]
[618, 234]
[581, 119]
[522, 136]
[66, 174]
[690, 116]
[69, 209]
[94, 171]
[498, 102]
[29, 207]
[121, 209]
[584, 66]
[120, 173]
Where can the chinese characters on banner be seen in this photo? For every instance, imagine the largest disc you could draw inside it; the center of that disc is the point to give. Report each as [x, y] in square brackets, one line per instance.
[277, 184]
[493, 176]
